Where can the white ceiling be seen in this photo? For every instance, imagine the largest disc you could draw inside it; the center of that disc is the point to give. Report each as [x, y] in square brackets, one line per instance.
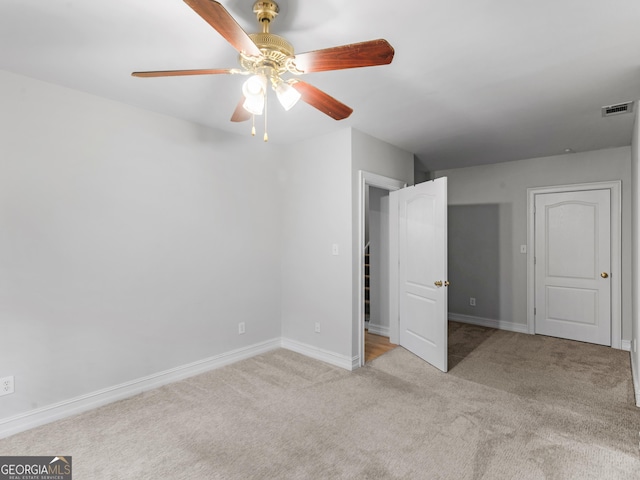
[472, 81]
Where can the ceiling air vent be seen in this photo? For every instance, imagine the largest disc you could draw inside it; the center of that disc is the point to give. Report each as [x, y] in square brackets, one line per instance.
[618, 109]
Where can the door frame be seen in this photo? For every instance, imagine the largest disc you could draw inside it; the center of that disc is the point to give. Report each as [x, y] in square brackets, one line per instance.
[367, 179]
[616, 250]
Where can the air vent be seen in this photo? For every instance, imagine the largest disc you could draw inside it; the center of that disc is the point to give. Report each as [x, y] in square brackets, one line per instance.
[618, 109]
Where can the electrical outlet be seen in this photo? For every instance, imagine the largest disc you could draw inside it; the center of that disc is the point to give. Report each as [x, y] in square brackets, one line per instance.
[317, 329]
[472, 301]
[6, 385]
[241, 328]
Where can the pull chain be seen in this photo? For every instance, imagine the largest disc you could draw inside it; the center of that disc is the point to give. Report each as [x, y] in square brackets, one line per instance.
[266, 136]
[253, 125]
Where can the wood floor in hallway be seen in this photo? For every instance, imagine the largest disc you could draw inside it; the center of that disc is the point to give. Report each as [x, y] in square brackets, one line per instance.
[376, 345]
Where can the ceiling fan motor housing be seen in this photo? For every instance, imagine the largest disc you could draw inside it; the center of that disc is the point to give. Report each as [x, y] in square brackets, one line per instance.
[275, 49]
[275, 52]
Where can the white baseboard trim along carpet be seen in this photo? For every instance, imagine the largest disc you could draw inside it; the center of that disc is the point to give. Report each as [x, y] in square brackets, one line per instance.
[342, 361]
[513, 406]
[488, 322]
[76, 405]
[502, 325]
[73, 406]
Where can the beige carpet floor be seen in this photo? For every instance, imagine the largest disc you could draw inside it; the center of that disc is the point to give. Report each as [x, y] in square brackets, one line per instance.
[512, 406]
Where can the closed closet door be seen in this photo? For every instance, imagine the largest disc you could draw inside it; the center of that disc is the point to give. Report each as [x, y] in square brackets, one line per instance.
[573, 265]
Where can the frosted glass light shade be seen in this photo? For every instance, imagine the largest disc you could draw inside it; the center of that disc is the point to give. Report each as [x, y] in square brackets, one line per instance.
[287, 95]
[254, 90]
[254, 104]
[255, 85]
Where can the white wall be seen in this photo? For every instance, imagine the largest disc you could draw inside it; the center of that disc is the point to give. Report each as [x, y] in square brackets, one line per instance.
[505, 185]
[316, 285]
[130, 243]
[635, 179]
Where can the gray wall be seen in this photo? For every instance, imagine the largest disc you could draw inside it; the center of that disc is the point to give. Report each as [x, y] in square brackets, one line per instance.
[474, 259]
[316, 285]
[379, 260]
[133, 244]
[320, 208]
[506, 184]
[130, 243]
[635, 178]
[374, 156]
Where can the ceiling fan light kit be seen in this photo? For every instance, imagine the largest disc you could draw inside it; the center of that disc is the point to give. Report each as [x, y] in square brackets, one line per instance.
[266, 57]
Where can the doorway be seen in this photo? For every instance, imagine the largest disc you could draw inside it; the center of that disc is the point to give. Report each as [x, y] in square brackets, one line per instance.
[377, 261]
[376, 273]
[416, 283]
[373, 187]
[574, 262]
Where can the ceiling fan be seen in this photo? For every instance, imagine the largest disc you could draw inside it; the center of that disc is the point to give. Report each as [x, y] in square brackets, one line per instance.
[266, 58]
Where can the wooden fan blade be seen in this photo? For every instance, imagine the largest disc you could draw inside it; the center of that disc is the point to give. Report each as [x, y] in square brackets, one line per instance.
[365, 54]
[221, 20]
[240, 114]
[322, 101]
[177, 73]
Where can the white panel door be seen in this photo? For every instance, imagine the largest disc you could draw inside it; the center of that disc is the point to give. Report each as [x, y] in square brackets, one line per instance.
[573, 265]
[419, 215]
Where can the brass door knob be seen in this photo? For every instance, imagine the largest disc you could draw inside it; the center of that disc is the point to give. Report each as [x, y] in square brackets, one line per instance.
[438, 283]
[604, 274]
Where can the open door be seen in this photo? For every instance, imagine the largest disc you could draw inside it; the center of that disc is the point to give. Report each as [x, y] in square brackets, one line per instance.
[418, 222]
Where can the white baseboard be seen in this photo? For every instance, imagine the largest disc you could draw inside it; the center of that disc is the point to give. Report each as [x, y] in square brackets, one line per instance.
[378, 329]
[510, 326]
[73, 406]
[342, 361]
[489, 322]
[635, 373]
